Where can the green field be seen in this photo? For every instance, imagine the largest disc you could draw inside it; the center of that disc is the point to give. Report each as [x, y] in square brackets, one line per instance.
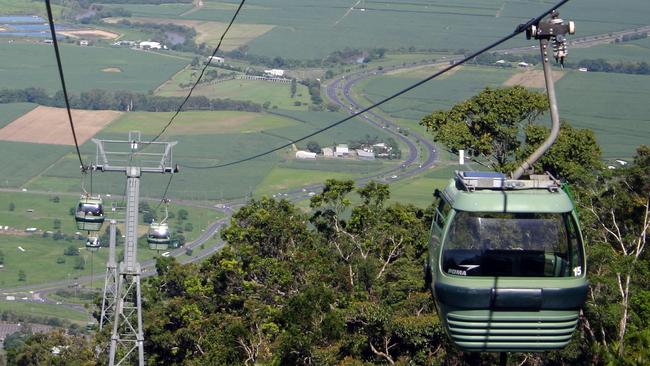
[11, 111]
[312, 29]
[22, 7]
[439, 93]
[44, 310]
[193, 122]
[21, 161]
[277, 94]
[34, 65]
[615, 106]
[633, 51]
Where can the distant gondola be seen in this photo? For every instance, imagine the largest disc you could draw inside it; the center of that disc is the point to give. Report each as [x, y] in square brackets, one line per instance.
[158, 236]
[89, 214]
[92, 243]
[506, 263]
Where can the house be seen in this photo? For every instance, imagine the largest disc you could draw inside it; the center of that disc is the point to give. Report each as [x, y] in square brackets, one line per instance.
[300, 154]
[500, 62]
[342, 150]
[523, 64]
[328, 152]
[583, 69]
[365, 155]
[621, 162]
[147, 45]
[215, 59]
[83, 42]
[275, 72]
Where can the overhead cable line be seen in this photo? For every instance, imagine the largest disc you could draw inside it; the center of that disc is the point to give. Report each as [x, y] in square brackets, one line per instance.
[520, 29]
[178, 111]
[164, 196]
[65, 90]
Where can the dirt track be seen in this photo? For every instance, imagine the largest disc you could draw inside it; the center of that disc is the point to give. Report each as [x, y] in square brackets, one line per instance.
[531, 78]
[93, 33]
[47, 125]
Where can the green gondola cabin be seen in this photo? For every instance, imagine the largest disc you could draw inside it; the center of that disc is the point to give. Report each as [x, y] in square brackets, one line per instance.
[506, 263]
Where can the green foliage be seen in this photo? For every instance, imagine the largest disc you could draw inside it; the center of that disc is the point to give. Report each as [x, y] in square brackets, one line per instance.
[71, 250]
[487, 124]
[79, 263]
[575, 155]
[22, 276]
[37, 350]
[12, 206]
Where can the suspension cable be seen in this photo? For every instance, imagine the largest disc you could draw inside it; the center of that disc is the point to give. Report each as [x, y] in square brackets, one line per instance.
[189, 94]
[65, 90]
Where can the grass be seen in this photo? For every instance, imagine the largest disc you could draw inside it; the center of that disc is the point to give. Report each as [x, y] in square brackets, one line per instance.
[39, 258]
[633, 51]
[281, 179]
[198, 123]
[40, 210]
[22, 161]
[614, 106]
[277, 94]
[22, 7]
[11, 111]
[437, 94]
[45, 310]
[33, 65]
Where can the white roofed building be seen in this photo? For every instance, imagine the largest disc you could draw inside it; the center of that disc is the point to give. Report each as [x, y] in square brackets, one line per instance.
[300, 154]
[275, 72]
[148, 45]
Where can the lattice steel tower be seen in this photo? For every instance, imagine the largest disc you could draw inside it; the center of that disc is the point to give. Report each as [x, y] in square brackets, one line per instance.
[132, 157]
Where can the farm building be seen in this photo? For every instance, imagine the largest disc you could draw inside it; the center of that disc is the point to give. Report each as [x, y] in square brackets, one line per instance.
[275, 72]
[300, 154]
[147, 45]
[328, 152]
[523, 64]
[215, 59]
[83, 42]
[342, 150]
[365, 155]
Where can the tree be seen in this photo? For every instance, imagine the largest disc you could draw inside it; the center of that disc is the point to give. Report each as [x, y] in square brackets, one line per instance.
[575, 155]
[37, 350]
[56, 225]
[79, 263]
[182, 214]
[12, 206]
[22, 276]
[2, 257]
[294, 87]
[488, 124]
[71, 250]
[618, 217]
[314, 147]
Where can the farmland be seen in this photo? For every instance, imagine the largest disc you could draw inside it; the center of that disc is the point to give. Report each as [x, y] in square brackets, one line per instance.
[11, 111]
[276, 94]
[312, 29]
[33, 65]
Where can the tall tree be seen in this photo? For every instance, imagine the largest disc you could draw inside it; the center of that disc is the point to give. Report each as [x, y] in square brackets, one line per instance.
[488, 124]
[619, 221]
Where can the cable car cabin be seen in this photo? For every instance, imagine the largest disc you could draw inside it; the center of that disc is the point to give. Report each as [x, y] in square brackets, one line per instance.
[90, 213]
[506, 263]
[92, 243]
[158, 236]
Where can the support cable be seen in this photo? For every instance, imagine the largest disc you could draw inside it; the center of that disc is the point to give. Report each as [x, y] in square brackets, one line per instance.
[520, 29]
[189, 94]
[65, 90]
